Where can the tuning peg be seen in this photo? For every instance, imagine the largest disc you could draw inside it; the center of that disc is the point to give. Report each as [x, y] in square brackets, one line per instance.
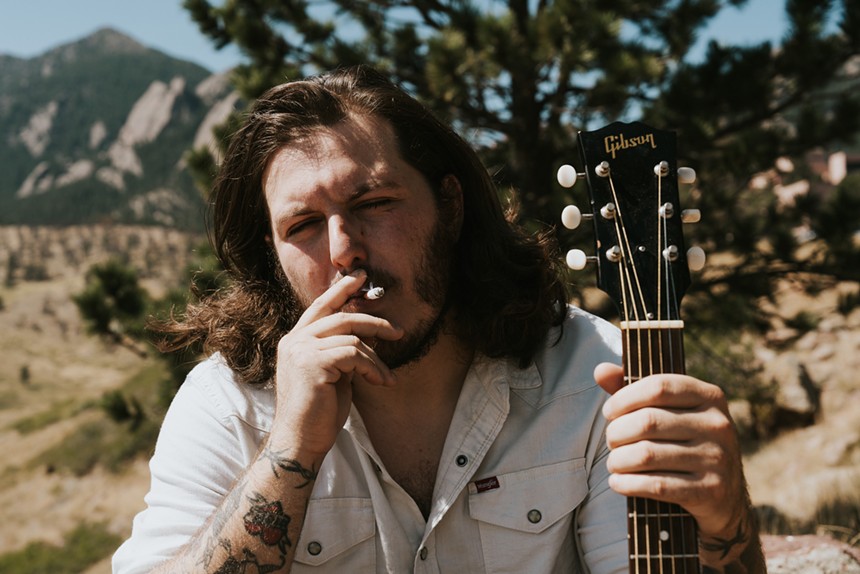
[566, 176]
[576, 259]
[602, 169]
[571, 216]
[686, 175]
[691, 216]
[696, 258]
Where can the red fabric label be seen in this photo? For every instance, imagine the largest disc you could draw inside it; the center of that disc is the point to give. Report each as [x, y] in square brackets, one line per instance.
[486, 484]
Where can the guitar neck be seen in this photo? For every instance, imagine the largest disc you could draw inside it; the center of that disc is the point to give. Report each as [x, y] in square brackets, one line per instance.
[661, 536]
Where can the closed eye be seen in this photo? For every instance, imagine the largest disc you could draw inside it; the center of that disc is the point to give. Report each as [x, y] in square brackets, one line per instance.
[300, 226]
[375, 203]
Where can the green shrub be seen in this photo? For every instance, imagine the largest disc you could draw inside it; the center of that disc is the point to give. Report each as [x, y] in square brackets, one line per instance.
[84, 546]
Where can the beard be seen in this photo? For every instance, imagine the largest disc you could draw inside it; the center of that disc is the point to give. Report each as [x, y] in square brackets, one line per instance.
[432, 282]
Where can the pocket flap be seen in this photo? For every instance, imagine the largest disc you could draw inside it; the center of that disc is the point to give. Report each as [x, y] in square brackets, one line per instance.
[333, 526]
[530, 500]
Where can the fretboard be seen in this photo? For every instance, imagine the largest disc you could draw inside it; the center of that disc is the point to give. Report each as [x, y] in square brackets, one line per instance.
[662, 537]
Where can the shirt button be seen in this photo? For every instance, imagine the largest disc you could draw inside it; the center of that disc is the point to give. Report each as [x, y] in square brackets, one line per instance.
[534, 516]
[462, 460]
[423, 553]
[314, 548]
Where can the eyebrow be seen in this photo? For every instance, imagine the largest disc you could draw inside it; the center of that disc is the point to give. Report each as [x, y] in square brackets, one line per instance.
[372, 185]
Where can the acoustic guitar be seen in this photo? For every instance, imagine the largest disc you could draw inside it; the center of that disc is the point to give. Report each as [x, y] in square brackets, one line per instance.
[643, 266]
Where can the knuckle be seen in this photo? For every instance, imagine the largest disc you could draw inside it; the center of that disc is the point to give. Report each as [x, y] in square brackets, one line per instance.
[647, 454]
[659, 487]
[650, 421]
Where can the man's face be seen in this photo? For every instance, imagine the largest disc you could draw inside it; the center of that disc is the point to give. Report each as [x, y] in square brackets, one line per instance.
[345, 199]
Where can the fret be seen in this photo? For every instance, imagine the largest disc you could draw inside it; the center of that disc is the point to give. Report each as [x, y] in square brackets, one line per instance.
[686, 565]
[664, 557]
[680, 514]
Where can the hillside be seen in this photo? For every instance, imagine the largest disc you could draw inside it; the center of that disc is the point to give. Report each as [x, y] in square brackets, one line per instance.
[65, 464]
[96, 130]
[69, 470]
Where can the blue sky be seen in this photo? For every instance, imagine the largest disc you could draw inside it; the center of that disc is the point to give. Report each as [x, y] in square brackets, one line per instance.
[30, 27]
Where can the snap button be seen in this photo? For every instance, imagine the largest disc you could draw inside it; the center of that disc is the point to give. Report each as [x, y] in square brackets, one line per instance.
[314, 548]
[534, 516]
[462, 460]
[423, 553]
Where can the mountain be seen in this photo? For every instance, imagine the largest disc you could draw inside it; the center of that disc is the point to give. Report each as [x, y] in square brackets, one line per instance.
[95, 131]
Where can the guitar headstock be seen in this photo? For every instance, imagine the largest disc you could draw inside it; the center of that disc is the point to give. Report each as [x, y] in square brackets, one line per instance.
[632, 175]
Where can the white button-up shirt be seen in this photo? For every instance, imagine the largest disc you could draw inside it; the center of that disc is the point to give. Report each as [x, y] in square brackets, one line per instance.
[521, 486]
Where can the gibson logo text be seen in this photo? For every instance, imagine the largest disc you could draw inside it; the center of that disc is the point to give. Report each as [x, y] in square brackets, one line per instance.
[615, 143]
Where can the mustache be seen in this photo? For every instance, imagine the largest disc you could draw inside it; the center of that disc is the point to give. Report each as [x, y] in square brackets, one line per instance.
[378, 277]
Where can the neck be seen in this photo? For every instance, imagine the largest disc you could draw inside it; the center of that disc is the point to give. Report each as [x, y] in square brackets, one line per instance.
[433, 381]
[662, 536]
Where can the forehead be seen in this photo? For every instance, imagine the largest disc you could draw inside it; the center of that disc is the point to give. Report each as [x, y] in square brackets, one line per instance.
[358, 152]
[364, 141]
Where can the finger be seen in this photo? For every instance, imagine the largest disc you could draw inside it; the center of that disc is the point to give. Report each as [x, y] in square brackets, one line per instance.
[610, 377]
[335, 297]
[654, 457]
[665, 391]
[358, 324]
[652, 424]
[662, 486]
[360, 361]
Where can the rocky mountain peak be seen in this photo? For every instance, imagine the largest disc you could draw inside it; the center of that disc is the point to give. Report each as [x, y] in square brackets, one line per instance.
[95, 127]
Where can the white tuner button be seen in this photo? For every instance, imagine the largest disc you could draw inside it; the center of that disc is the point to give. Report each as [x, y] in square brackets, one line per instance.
[566, 175]
[576, 259]
[691, 216]
[686, 175]
[696, 258]
[571, 217]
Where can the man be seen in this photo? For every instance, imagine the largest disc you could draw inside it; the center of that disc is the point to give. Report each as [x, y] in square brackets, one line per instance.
[451, 425]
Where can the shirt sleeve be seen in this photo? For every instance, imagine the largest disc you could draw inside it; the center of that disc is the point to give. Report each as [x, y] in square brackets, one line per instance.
[197, 459]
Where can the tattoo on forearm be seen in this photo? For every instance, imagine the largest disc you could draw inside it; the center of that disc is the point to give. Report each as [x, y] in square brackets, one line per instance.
[267, 521]
[233, 565]
[289, 465]
[219, 522]
[724, 546]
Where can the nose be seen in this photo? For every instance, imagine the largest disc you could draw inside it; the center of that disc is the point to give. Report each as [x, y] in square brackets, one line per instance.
[346, 243]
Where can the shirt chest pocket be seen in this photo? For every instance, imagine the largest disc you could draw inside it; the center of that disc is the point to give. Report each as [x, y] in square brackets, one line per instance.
[525, 517]
[337, 536]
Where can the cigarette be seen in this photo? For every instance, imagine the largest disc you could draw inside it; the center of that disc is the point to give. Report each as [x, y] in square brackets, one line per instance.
[371, 292]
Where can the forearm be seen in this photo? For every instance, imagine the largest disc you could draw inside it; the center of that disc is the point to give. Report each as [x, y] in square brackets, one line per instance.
[739, 554]
[259, 521]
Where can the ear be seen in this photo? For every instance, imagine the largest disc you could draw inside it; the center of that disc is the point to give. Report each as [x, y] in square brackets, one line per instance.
[451, 205]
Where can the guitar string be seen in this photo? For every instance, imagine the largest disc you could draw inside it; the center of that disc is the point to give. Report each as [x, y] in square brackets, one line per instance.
[661, 507]
[663, 243]
[626, 263]
[628, 369]
[626, 295]
[675, 345]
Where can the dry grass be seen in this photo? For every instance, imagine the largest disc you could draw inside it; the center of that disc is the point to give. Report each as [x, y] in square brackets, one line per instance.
[52, 379]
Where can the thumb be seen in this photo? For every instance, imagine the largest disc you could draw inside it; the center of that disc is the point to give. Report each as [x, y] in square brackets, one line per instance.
[610, 377]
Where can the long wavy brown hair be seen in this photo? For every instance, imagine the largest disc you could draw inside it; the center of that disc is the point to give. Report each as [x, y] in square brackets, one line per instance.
[509, 290]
